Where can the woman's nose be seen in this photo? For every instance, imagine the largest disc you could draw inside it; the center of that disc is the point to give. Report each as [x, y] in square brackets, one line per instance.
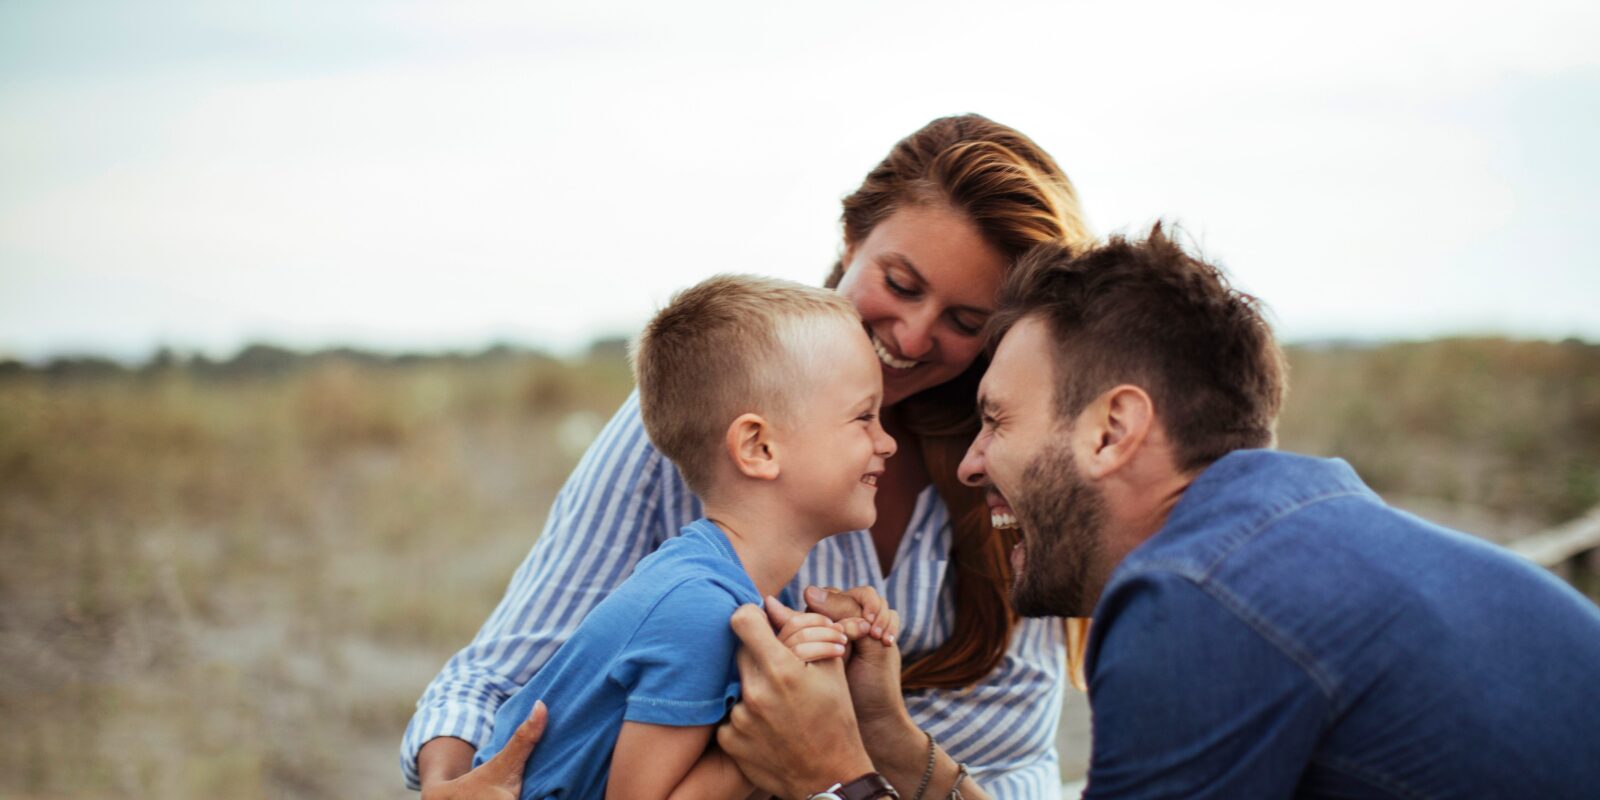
[915, 334]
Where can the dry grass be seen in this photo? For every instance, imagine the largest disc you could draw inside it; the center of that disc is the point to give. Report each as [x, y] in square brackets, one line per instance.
[1498, 437]
[234, 583]
[236, 587]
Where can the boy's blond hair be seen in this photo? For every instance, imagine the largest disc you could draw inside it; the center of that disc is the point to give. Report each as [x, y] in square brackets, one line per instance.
[730, 345]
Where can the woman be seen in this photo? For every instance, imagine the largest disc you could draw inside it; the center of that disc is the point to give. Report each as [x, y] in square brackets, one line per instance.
[927, 238]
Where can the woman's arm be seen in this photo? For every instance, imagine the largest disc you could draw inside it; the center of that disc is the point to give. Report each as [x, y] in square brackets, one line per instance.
[658, 762]
[607, 517]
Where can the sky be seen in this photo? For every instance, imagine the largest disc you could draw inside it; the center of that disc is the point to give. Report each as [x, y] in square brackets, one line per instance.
[429, 176]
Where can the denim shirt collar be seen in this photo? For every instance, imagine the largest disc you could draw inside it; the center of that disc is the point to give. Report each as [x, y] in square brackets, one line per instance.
[1241, 492]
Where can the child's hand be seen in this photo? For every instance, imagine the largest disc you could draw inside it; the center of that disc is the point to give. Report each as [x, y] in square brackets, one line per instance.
[860, 611]
[811, 637]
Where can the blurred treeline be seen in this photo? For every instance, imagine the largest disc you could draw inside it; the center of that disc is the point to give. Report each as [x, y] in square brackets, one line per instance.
[233, 578]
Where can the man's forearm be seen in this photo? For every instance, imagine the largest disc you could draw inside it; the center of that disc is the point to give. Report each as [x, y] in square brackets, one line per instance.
[444, 759]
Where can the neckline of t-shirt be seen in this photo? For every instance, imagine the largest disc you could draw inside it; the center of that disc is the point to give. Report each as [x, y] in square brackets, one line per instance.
[720, 540]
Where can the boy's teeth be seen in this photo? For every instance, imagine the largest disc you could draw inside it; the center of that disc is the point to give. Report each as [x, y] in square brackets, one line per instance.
[1000, 520]
[885, 357]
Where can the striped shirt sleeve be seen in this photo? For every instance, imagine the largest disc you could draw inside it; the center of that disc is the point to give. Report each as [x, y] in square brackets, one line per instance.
[604, 520]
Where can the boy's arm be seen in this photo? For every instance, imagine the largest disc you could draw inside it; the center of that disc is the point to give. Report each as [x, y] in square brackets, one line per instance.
[658, 762]
[607, 517]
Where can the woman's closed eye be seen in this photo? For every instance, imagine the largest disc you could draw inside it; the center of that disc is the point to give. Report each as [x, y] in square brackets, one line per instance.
[965, 327]
[897, 287]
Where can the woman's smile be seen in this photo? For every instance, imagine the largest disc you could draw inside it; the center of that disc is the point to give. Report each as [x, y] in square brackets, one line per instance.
[887, 356]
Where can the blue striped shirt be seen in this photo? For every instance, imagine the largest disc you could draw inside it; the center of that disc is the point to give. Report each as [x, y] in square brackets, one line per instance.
[625, 499]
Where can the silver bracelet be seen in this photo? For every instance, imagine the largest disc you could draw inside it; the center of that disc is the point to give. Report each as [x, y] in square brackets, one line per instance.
[961, 775]
[927, 774]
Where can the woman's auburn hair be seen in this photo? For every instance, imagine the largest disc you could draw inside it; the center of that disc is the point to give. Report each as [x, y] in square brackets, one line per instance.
[1017, 196]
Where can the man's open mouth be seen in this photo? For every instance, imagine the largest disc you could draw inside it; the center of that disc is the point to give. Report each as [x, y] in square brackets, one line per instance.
[1001, 517]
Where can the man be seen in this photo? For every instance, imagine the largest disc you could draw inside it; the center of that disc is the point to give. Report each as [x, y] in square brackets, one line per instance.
[1264, 626]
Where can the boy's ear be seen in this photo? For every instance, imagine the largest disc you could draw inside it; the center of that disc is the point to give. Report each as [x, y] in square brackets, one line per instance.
[750, 445]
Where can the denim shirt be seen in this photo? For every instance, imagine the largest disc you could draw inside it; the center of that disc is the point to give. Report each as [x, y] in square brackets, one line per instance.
[1286, 634]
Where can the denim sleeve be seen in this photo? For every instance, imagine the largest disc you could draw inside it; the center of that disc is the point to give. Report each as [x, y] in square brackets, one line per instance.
[678, 667]
[1194, 696]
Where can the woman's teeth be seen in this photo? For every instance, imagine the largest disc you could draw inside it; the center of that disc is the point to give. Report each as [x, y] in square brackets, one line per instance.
[887, 358]
[1002, 520]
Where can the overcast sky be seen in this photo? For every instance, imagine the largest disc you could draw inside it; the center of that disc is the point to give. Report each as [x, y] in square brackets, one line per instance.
[408, 175]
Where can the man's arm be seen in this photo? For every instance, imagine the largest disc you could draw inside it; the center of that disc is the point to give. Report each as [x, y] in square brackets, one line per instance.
[899, 749]
[1192, 701]
[793, 732]
[1003, 727]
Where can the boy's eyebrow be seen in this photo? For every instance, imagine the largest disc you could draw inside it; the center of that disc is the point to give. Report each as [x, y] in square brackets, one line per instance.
[905, 263]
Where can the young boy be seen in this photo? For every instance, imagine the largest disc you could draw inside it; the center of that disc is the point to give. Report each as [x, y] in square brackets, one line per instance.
[765, 395]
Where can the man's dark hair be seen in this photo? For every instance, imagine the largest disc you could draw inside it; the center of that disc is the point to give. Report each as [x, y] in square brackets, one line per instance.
[1147, 313]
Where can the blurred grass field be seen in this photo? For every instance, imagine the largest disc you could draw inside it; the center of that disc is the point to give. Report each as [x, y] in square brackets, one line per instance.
[233, 579]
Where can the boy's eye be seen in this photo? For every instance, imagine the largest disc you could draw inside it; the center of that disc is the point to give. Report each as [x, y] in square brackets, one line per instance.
[867, 417]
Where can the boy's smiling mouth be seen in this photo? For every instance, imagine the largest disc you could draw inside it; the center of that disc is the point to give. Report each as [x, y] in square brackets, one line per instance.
[871, 478]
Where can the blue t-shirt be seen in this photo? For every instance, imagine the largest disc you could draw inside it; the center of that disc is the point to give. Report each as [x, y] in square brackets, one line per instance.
[658, 650]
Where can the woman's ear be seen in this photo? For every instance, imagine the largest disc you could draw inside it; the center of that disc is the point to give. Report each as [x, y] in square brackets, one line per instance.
[751, 447]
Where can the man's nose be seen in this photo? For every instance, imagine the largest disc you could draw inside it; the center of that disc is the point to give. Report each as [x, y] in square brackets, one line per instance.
[971, 469]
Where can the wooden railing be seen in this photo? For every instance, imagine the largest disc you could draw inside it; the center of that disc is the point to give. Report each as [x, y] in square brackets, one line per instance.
[1571, 551]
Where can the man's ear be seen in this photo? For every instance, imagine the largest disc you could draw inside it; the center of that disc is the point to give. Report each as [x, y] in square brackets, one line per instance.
[1113, 429]
[751, 448]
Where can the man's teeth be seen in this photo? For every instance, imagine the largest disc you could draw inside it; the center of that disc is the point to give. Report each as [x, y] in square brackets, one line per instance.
[1001, 520]
[885, 357]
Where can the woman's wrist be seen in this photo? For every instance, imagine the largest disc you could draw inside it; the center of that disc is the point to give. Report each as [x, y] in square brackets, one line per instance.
[898, 748]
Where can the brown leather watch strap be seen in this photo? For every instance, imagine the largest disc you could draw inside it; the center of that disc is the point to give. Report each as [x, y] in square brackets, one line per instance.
[870, 786]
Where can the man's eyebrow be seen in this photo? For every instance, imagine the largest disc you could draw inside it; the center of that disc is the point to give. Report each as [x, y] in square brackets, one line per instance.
[905, 263]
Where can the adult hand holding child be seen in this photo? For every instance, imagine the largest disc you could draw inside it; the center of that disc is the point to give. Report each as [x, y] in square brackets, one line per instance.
[499, 778]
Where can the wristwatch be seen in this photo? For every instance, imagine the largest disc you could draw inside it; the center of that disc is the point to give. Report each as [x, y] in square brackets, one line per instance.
[870, 786]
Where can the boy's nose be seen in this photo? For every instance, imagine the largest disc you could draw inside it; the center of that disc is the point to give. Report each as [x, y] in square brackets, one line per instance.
[886, 443]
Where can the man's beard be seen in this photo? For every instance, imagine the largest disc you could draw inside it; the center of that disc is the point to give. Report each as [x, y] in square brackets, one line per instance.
[1062, 517]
